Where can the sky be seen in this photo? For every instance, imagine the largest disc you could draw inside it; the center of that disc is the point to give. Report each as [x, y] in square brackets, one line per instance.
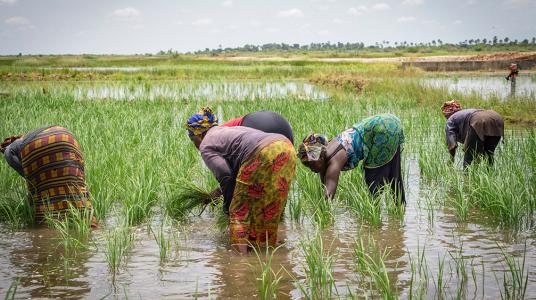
[143, 26]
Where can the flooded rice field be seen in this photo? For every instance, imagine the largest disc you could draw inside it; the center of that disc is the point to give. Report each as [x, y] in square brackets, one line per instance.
[425, 257]
[180, 90]
[454, 240]
[486, 86]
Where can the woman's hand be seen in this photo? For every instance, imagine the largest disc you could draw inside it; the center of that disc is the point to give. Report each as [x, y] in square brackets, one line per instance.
[215, 194]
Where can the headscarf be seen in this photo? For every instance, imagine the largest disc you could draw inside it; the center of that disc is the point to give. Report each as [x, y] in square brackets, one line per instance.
[8, 141]
[450, 107]
[311, 147]
[201, 122]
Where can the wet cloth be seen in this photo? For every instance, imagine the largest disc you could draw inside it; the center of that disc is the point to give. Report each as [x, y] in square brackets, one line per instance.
[260, 194]
[54, 170]
[457, 126]
[390, 173]
[224, 150]
[374, 140]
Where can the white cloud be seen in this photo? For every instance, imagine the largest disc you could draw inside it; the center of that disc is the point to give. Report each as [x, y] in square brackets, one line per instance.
[362, 9]
[272, 29]
[231, 27]
[338, 21]
[406, 19]
[255, 23]
[291, 13]
[127, 12]
[412, 2]
[457, 22]
[357, 11]
[202, 22]
[17, 21]
[520, 3]
[227, 3]
[380, 6]
[324, 32]
[8, 1]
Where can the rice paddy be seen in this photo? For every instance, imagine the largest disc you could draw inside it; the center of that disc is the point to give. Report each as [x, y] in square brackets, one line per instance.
[463, 234]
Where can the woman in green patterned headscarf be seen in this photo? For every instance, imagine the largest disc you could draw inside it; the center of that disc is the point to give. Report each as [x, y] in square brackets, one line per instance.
[376, 141]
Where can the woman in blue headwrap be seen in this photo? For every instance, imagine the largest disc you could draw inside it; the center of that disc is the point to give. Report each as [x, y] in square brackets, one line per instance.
[255, 170]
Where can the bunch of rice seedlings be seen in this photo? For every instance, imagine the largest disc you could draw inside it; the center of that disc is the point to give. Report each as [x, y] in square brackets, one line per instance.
[187, 197]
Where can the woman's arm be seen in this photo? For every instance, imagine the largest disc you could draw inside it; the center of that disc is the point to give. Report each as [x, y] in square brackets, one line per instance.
[333, 171]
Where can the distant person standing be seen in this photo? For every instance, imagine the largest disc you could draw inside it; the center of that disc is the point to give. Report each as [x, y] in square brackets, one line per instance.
[478, 130]
[514, 71]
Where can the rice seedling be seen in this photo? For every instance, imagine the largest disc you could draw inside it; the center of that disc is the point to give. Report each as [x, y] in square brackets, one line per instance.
[516, 276]
[267, 279]
[73, 226]
[370, 262]
[12, 290]
[164, 244]
[187, 197]
[318, 268]
[363, 204]
[119, 243]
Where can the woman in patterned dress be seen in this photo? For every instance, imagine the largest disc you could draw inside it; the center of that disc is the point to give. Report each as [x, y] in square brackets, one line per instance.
[50, 160]
[254, 169]
[376, 141]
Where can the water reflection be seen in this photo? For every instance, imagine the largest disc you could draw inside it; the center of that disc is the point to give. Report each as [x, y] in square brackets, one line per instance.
[487, 86]
[44, 269]
[241, 91]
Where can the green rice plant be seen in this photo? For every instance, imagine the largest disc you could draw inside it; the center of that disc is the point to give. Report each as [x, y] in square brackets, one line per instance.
[140, 199]
[17, 210]
[267, 279]
[516, 276]
[164, 244]
[440, 282]
[457, 197]
[318, 269]
[187, 197]
[370, 262]
[363, 204]
[119, 243]
[12, 290]
[73, 225]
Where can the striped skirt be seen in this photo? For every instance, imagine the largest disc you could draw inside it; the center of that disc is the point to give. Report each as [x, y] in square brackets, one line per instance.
[54, 170]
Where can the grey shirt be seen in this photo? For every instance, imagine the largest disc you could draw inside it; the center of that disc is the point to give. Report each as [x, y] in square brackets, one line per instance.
[225, 149]
[457, 126]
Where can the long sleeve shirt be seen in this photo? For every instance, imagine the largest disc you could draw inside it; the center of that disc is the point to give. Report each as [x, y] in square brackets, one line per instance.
[12, 154]
[457, 126]
[225, 149]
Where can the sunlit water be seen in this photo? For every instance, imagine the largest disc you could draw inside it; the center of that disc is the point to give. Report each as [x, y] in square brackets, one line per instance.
[486, 86]
[204, 266]
[178, 90]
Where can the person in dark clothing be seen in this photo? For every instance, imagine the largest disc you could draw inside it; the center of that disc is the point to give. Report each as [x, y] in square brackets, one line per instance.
[264, 120]
[479, 130]
[514, 71]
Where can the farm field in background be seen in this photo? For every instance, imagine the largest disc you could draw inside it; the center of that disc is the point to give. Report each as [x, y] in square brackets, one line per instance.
[467, 235]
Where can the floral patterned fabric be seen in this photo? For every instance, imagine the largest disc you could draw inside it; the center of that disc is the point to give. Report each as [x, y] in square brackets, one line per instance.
[260, 194]
[374, 140]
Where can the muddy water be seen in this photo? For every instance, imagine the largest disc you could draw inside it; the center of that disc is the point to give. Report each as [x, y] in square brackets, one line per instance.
[204, 267]
[486, 86]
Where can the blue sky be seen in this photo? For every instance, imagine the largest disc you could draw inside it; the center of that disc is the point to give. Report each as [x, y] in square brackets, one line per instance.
[122, 27]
